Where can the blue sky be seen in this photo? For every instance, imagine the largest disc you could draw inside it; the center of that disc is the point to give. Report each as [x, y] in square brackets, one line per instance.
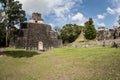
[61, 12]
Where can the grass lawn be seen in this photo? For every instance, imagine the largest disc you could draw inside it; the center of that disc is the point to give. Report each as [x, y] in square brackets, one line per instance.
[96, 63]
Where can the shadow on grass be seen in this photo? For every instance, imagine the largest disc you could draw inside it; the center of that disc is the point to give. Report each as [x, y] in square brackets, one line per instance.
[20, 54]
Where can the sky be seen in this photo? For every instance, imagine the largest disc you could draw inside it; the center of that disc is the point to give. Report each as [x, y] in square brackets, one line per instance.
[61, 12]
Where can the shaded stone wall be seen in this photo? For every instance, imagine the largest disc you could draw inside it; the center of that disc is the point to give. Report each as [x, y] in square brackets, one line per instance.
[108, 34]
[33, 33]
[104, 35]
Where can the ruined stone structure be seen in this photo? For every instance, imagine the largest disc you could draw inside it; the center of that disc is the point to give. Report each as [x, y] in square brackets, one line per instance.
[106, 34]
[35, 35]
[36, 18]
[112, 43]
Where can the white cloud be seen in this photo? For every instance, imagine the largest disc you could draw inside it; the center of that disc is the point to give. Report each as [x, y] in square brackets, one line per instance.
[59, 10]
[110, 10]
[65, 8]
[100, 16]
[52, 25]
[42, 6]
[79, 18]
[101, 24]
[113, 11]
[118, 10]
[115, 3]
[59, 7]
[33, 6]
[115, 23]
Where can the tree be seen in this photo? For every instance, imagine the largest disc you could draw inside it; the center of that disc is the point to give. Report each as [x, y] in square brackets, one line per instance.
[2, 31]
[13, 15]
[119, 20]
[70, 32]
[2, 35]
[90, 31]
[57, 31]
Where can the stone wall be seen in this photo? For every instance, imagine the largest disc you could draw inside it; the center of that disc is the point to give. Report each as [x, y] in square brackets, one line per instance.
[108, 34]
[96, 43]
[33, 33]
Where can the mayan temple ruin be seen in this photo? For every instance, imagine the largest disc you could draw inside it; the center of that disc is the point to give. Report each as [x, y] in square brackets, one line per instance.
[35, 35]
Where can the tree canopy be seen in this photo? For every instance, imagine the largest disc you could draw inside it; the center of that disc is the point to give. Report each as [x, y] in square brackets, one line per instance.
[11, 15]
[70, 32]
[90, 31]
[57, 31]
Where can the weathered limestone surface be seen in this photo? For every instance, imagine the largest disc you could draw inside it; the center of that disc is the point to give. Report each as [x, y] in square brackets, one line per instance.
[112, 43]
[36, 18]
[108, 34]
[34, 33]
[36, 36]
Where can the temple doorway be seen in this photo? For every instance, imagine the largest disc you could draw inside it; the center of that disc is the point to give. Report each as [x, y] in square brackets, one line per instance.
[40, 46]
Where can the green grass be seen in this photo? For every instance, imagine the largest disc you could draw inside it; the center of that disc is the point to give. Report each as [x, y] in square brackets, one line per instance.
[95, 63]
